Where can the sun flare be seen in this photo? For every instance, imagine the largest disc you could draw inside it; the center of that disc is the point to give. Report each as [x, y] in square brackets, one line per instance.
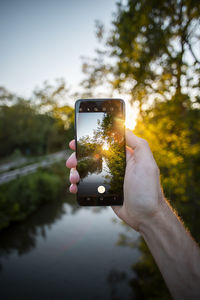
[131, 117]
[105, 147]
[130, 123]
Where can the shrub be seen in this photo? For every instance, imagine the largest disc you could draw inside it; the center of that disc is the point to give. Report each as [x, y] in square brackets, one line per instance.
[23, 196]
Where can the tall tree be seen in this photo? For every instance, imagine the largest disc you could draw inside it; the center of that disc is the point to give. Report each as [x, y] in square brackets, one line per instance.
[154, 50]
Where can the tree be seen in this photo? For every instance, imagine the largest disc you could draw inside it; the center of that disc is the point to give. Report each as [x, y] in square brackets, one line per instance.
[23, 129]
[35, 126]
[154, 50]
[53, 100]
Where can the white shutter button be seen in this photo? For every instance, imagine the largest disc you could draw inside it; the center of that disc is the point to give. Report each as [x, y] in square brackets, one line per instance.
[101, 189]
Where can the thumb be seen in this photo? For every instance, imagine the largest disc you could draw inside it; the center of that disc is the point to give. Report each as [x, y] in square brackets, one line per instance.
[132, 140]
[139, 145]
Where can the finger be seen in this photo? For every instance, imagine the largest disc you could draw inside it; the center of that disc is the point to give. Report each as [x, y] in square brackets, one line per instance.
[73, 188]
[72, 161]
[132, 140]
[129, 153]
[72, 145]
[74, 176]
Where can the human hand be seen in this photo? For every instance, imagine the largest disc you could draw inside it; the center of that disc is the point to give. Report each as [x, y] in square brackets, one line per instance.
[143, 196]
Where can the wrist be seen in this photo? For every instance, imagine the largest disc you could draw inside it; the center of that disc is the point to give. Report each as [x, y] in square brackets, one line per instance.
[156, 218]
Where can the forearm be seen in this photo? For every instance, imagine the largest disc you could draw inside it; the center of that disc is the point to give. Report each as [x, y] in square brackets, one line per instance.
[175, 252]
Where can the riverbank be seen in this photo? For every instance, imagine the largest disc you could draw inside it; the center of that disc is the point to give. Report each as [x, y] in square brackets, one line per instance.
[21, 197]
[24, 166]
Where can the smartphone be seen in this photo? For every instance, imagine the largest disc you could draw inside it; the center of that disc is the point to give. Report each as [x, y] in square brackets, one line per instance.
[100, 151]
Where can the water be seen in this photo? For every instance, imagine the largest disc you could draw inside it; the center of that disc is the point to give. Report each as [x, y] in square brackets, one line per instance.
[67, 252]
[92, 181]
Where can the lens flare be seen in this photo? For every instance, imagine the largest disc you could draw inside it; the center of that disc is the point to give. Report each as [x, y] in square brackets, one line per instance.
[131, 117]
[105, 146]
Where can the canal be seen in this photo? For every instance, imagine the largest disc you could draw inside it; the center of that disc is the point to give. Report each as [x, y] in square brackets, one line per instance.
[64, 251]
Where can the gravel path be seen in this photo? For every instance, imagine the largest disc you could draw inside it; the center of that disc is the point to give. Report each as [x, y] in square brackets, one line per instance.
[48, 160]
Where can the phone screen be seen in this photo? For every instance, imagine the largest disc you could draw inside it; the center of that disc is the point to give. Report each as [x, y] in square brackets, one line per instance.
[100, 151]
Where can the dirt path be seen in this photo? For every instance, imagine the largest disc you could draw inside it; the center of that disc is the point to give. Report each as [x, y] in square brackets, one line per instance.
[47, 161]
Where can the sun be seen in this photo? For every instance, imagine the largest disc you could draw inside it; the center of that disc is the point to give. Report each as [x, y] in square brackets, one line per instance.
[132, 110]
[130, 123]
[131, 117]
[105, 146]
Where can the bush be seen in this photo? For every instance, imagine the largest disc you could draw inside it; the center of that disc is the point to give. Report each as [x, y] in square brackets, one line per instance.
[21, 197]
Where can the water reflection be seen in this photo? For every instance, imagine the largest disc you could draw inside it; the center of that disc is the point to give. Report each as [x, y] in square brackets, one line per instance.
[116, 279]
[146, 281]
[21, 238]
[64, 251]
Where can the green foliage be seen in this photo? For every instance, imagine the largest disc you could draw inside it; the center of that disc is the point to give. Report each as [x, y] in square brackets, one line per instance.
[87, 147]
[115, 158]
[151, 51]
[32, 128]
[172, 130]
[89, 165]
[22, 128]
[23, 196]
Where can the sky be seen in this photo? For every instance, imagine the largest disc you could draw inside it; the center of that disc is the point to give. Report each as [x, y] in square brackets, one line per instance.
[44, 40]
[87, 123]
